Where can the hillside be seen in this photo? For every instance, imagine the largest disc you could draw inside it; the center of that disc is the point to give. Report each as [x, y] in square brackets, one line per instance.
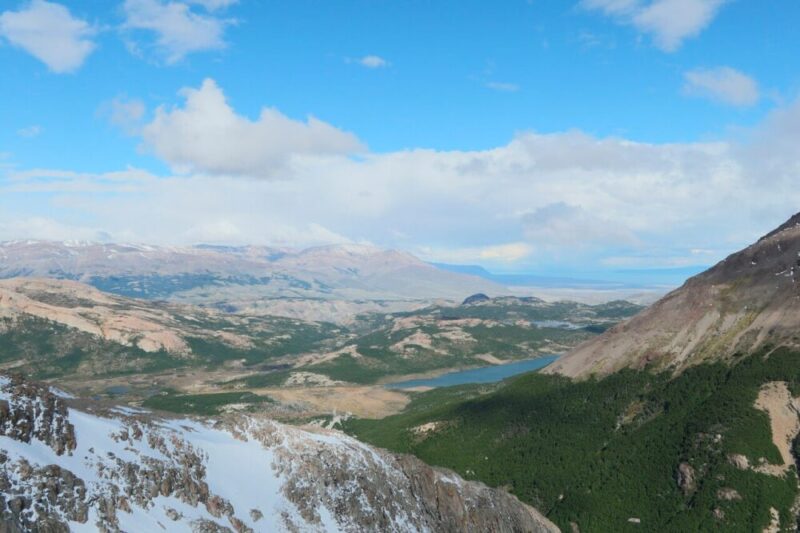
[749, 300]
[713, 449]
[56, 328]
[72, 465]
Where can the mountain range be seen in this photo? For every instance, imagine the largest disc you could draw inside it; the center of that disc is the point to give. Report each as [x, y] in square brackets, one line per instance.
[347, 270]
[331, 283]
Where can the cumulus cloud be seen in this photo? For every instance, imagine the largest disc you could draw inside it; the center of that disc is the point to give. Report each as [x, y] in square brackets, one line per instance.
[207, 135]
[722, 84]
[50, 33]
[668, 22]
[177, 28]
[769, 154]
[372, 61]
[539, 200]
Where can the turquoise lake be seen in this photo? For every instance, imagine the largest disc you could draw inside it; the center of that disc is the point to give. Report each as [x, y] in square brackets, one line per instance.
[488, 374]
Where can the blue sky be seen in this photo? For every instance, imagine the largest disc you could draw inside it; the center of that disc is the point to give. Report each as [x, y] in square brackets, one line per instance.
[539, 136]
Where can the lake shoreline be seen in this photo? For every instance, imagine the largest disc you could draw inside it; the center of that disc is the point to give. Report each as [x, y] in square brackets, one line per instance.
[483, 374]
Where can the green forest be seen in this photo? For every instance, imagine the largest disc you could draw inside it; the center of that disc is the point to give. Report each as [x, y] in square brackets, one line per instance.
[604, 455]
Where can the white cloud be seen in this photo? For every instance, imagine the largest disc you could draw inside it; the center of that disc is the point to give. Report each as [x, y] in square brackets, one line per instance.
[668, 22]
[372, 61]
[539, 200]
[206, 135]
[123, 112]
[560, 224]
[503, 87]
[30, 132]
[510, 252]
[45, 228]
[178, 29]
[49, 32]
[498, 254]
[213, 5]
[722, 84]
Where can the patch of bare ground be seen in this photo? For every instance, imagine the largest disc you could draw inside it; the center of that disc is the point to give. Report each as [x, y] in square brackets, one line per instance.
[421, 388]
[491, 359]
[407, 346]
[310, 359]
[455, 335]
[775, 399]
[361, 401]
[774, 521]
[124, 326]
[310, 379]
[424, 429]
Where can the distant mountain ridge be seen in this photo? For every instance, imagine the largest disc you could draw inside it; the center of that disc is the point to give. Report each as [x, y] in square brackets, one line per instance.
[619, 279]
[748, 301]
[238, 276]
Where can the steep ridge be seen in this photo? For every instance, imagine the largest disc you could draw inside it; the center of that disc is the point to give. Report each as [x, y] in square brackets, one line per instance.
[748, 300]
[85, 468]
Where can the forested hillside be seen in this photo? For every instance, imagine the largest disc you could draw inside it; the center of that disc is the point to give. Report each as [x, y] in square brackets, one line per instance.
[635, 451]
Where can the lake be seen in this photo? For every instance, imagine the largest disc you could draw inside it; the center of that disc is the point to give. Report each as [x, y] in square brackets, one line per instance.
[487, 374]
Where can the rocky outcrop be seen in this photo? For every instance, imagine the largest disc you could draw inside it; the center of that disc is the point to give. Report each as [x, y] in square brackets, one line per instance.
[86, 309]
[686, 478]
[455, 505]
[29, 412]
[475, 299]
[749, 300]
[127, 470]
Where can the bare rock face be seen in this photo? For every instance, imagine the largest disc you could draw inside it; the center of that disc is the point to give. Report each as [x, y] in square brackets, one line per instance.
[33, 412]
[685, 476]
[455, 505]
[126, 470]
[728, 494]
[748, 300]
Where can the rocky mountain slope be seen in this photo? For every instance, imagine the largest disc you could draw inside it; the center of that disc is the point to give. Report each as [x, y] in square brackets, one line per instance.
[46, 324]
[241, 277]
[68, 465]
[749, 300]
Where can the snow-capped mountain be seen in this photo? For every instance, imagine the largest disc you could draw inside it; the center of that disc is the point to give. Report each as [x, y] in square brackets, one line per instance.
[69, 465]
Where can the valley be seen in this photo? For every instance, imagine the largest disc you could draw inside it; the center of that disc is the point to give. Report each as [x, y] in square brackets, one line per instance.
[682, 416]
[202, 360]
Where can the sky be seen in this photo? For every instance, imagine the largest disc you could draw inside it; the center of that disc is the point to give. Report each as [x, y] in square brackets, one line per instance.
[548, 137]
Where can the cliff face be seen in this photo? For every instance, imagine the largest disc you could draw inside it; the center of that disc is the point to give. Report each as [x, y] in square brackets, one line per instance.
[87, 468]
[745, 302]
